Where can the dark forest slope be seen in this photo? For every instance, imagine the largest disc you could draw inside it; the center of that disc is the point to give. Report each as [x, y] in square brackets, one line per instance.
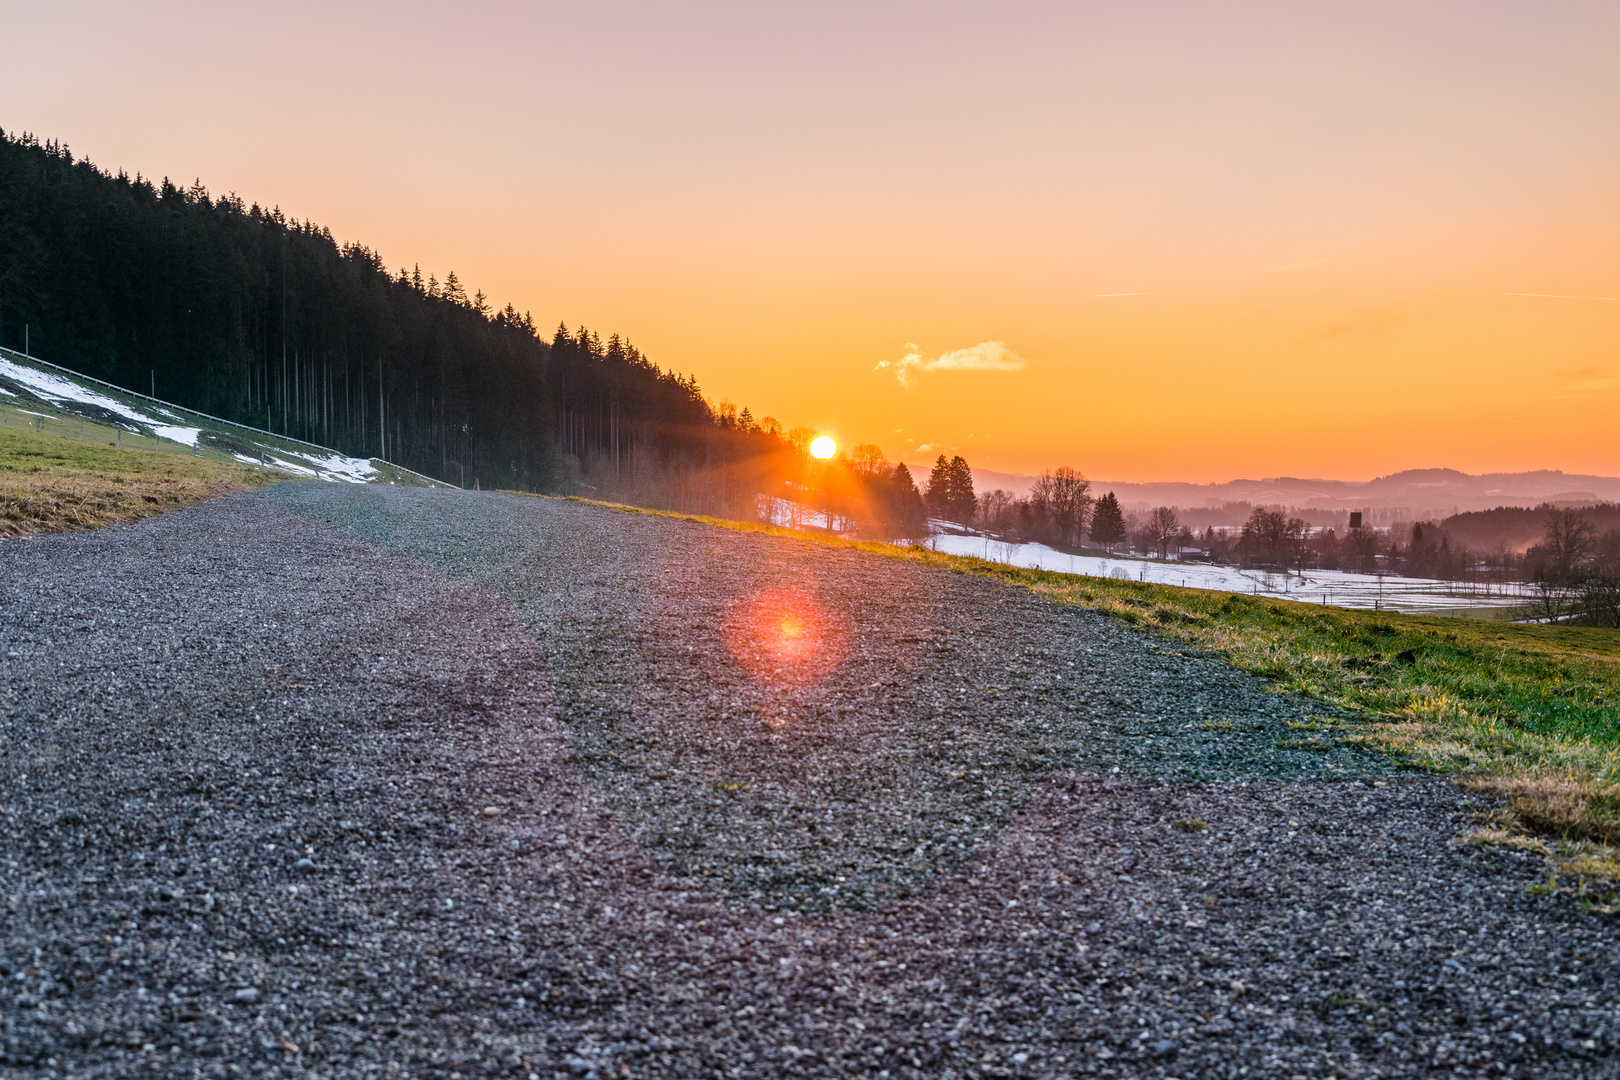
[238, 311]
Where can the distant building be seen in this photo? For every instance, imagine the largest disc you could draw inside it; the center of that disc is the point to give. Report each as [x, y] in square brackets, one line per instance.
[1355, 519]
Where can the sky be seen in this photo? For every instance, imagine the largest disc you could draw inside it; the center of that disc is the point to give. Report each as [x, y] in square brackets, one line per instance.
[1151, 241]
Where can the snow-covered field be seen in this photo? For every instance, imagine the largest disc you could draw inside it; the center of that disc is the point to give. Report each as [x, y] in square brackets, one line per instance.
[787, 514]
[1334, 587]
[79, 397]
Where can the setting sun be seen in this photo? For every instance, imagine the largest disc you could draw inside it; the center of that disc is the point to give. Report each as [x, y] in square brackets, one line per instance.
[824, 447]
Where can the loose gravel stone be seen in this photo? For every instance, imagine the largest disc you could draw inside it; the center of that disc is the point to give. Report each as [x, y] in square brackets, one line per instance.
[849, 779]
[231, 688]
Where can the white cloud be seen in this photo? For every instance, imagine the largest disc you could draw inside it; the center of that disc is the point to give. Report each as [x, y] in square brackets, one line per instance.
[985, 356]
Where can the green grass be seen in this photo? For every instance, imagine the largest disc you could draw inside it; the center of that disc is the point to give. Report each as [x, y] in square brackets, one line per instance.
[1528, 713]
[65, 482]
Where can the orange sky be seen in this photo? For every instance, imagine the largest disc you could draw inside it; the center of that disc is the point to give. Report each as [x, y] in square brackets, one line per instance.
[1212, 240]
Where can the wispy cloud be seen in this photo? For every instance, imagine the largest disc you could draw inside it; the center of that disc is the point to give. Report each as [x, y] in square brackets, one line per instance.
[985, 356]
[1591, 385]
[1560, 296]
[1100, 295]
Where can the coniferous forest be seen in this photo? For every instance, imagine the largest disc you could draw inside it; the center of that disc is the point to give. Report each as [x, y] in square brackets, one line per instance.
[238, 311]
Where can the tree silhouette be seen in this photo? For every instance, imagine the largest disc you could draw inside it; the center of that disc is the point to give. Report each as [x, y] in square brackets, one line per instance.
[1107, 522]
[950, 490]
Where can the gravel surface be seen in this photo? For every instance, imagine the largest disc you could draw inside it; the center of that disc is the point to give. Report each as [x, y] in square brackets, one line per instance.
[280, 801]
[918, 715]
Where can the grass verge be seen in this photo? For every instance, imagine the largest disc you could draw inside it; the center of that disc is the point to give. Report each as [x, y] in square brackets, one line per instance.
[50, 484]
[1527, 714]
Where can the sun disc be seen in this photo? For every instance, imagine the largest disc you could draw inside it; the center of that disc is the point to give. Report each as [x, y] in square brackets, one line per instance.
[823, 447]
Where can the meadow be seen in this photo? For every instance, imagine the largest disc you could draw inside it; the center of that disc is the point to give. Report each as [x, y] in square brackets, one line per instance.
[61, 475]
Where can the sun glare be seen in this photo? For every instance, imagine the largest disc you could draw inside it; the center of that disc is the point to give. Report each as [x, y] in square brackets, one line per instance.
[823, 447]
[786, 638]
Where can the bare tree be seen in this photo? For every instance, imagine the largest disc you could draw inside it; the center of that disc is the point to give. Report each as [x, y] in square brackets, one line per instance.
[1059, 501]
[1600, 591]
[1162, 529]
[1558, 564]
[1360, 546]
[868, 459]
[996, 511]
[1270, 536]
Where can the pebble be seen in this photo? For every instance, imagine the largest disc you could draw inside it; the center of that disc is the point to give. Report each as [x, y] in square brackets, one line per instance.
[685, 979]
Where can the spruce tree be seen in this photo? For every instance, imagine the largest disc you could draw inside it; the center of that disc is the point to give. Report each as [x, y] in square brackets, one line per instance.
[963, 501]
[1107, 522]
[905, 513]
[938, 495]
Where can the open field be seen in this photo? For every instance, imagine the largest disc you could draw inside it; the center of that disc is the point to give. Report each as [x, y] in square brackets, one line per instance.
[64, 482]
[1334, 588]
[412, 783]
[1531, 713]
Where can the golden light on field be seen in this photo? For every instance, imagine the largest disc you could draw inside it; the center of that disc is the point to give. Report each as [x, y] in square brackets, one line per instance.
[824, 447]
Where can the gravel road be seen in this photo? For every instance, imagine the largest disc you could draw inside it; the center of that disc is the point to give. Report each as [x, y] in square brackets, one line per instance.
[342, 781]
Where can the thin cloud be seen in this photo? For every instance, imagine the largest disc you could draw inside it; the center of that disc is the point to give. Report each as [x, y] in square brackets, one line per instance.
[985, 356]
[1560, 296]
[1100, 295]
[1590, 386]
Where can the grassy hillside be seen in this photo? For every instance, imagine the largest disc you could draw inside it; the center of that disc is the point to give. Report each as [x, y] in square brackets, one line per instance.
[1527, 713]
[52, 482]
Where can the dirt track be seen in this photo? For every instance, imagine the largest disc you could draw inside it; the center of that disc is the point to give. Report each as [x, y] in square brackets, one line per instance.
[925, 845]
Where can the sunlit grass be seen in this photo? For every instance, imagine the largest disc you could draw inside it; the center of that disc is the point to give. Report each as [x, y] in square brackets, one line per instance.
[52, 483]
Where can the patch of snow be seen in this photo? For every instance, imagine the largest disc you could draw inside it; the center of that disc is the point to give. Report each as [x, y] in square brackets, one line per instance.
[293, 467]
[55, 388]
[186, 436]
[354, 470]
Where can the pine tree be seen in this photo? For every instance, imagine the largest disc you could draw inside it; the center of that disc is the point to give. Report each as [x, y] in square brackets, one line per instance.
[963, 501]
[904, 513]
[453, 291]
[938, 495]
[1107, 522]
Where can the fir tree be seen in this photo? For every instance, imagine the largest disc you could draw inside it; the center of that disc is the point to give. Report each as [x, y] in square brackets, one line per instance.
[1107, 522]
[939, 485]
[950, 490]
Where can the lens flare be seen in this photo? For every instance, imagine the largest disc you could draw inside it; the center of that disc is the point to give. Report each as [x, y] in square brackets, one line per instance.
[786, 638]
[823, 447]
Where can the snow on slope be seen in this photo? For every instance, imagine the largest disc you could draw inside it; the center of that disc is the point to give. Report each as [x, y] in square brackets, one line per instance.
[60, 390]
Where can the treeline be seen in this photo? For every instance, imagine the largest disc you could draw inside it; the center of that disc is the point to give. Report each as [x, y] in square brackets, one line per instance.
[235, 309]
[1515, 528]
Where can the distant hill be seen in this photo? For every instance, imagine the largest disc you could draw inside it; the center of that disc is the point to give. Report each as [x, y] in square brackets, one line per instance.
[1414, 494]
